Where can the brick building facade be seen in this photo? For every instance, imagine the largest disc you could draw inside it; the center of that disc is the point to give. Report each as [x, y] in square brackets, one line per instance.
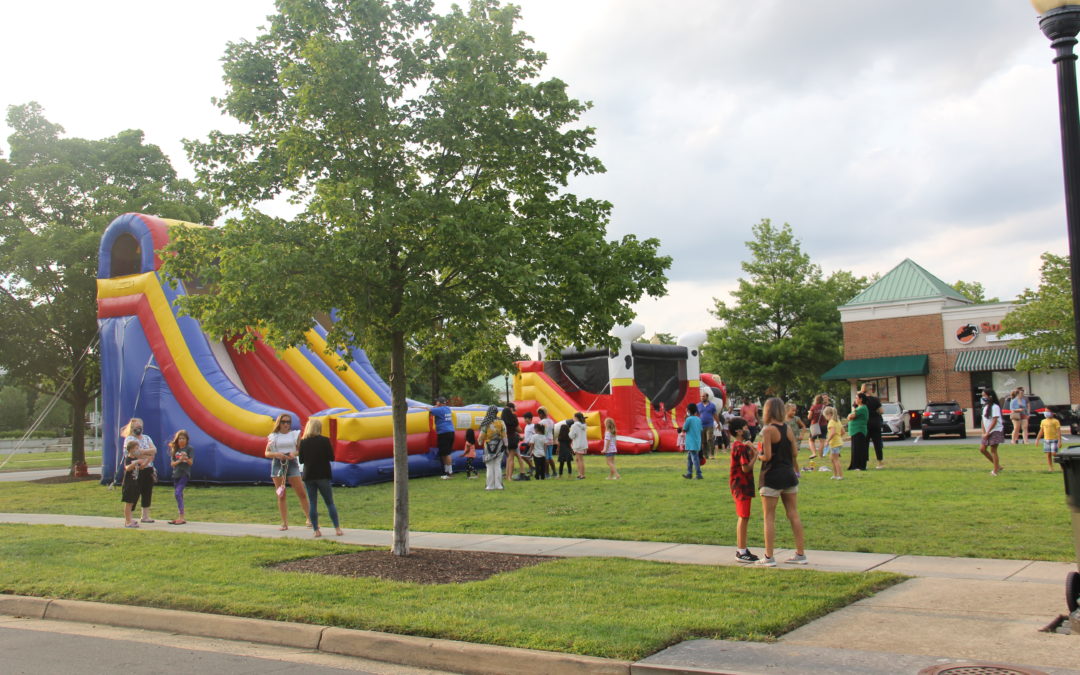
[919, 340]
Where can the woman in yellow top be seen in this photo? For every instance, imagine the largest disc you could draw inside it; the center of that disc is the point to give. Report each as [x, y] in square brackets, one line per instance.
[493, 442]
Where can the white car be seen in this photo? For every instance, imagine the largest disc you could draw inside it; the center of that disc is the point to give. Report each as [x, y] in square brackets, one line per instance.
[895, 420]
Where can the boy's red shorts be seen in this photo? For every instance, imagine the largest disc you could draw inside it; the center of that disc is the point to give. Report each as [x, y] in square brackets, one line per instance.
[742, 507]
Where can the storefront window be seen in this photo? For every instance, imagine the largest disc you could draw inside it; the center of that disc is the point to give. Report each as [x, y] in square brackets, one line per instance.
[882, 386]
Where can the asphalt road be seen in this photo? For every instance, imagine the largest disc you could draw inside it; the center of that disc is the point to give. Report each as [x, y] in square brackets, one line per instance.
[32, 646]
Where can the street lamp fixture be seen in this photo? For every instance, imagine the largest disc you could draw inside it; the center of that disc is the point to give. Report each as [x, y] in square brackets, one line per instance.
[1060, 21]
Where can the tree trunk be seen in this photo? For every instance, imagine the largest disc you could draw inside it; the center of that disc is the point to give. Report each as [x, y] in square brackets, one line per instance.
[78, 442]
[79, 399]
[401, 451]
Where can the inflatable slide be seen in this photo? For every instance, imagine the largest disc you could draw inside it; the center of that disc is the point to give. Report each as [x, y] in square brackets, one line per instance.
[645, 388]
[160, 366]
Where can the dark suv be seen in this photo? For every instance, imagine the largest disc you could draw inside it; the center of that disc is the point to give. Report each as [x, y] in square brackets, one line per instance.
[943, 418]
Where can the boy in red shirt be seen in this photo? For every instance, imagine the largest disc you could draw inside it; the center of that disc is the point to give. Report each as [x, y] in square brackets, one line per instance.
[743, 458]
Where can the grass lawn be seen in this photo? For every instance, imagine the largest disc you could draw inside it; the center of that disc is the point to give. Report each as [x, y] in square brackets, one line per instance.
[931, 500]
[46, 460]
[614, 608]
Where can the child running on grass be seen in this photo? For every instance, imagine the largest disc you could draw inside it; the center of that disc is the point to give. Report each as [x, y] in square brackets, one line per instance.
[610, 450]
[834, 440]
[741, 481]
[1050, 432]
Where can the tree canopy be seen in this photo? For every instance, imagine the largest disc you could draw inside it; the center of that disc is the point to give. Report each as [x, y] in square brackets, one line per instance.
[432, 163]
[57, 195]
[974, 291]
[783, 330]
[1043, 318]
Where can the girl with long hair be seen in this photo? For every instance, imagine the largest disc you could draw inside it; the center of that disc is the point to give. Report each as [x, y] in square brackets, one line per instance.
[779, 480]
[181, 458]
[282, 446]
[993, 435]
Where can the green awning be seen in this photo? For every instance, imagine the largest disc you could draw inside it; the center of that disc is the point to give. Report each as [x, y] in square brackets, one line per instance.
[884, 366]
[971, 360]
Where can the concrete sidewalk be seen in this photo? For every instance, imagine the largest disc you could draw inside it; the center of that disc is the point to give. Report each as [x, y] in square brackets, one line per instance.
[954, 608]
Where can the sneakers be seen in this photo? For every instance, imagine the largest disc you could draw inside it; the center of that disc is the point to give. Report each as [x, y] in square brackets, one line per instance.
[686, 475]
[746, 557]
[797, 559]
[765, 562]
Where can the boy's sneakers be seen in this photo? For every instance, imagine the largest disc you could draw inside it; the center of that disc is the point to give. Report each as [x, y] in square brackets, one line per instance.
[797, 559]
[766, 562]
[746, 557]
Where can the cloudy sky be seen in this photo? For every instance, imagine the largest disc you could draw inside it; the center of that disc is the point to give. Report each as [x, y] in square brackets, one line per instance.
[878, 130]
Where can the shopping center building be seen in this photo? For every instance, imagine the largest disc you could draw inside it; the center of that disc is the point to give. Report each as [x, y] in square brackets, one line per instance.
[920, 340]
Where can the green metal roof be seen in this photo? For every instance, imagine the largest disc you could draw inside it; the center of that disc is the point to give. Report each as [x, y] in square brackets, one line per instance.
[883, 366]
[906, 281]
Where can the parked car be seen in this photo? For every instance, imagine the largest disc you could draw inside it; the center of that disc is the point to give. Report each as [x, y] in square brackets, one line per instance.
[1064, 413]
[895, 420]
[943, 417]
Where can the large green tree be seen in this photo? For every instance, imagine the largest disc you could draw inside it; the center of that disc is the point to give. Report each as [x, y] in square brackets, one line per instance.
[1043, 318]
[57, 195]
[431, 162]
[783, 329]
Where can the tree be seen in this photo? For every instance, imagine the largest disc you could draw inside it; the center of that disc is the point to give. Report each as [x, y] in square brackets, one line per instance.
[783, 331]
[974, 291]
[1043, 318]
[661, 339]
[57, 195]
[431, 162]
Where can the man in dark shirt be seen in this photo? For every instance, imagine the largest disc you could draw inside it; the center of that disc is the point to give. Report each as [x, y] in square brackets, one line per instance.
[873, 424]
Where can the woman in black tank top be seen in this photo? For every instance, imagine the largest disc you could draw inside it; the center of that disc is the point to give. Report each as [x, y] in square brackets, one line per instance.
[779, 481]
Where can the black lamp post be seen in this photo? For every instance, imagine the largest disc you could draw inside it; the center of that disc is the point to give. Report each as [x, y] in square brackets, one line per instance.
[1060, 21]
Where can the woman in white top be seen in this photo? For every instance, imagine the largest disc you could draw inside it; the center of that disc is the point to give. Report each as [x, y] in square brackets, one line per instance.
[282, 446]
[579, 442]
[145, 454]
[992, 433]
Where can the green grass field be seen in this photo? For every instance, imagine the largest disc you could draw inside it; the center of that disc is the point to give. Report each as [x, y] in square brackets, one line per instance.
[613, 608]
[45, 460]
[931, 500]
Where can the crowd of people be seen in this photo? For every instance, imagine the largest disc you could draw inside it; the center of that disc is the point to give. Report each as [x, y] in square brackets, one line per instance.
[544, 449]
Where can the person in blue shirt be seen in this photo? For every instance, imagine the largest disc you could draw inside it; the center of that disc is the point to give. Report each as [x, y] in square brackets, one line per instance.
[692, 431]
[707, 413]
[444, 434]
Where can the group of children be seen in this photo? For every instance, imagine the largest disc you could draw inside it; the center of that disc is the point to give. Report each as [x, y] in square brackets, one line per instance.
[543, 442]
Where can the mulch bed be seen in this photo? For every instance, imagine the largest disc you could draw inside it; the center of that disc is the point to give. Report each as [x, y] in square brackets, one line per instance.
[421, 566]
[54, 480]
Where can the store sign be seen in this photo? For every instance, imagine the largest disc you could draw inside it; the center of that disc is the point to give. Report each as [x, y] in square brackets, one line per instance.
[967, 333]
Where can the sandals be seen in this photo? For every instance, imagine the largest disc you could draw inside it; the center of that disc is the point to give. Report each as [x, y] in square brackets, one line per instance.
[177, 522]
[283, 528]
[131, 525]
[146, 520]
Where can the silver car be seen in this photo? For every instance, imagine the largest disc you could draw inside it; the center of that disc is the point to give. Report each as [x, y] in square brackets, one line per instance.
[895, 420]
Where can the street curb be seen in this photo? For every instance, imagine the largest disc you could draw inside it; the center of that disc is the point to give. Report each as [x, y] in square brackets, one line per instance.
[24, 606]
[298, 635]
[463, 657]
[409, 650]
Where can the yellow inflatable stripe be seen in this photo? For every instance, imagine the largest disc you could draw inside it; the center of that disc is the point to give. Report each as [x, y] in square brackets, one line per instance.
[622, 382]
[379, 426]
[652, 427]
[217, 405]
[351, 379]
[314, 379]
